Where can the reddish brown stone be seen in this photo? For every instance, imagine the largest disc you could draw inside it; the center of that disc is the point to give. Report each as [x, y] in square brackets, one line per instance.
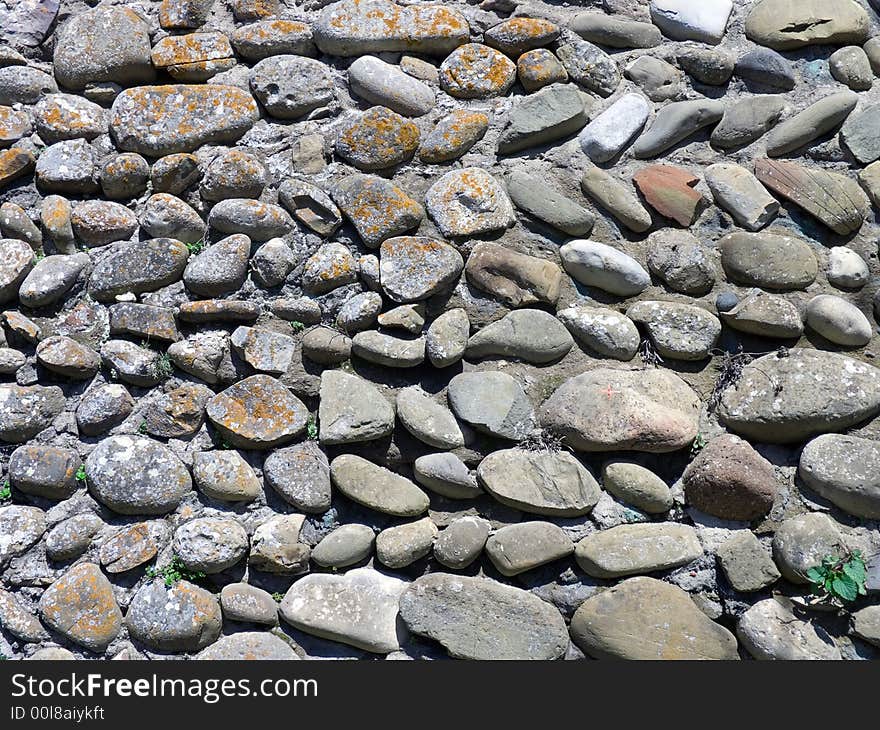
[15, 163]
[130, 547]
[670, 191]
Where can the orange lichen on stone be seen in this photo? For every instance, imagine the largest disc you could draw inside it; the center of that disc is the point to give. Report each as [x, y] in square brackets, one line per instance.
[15, 163]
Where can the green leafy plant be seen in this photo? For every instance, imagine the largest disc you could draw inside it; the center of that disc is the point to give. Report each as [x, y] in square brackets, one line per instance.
[698, 445]
[142, 426]
[39, 255]
[297, 326]
[841, 577]
[162, 367]
[311, 429]
[80, 475]
[278, 597]
[196, 246]
[5, 491]
[174, 571]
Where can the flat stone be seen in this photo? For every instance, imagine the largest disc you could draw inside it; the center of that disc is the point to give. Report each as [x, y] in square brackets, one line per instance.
[644, 618]
[244, 602]
[479, 618]
[612, 131]
[376, 208]
[453, 136]
[866, 624]
[138, 267]
[659, 80]
[21, 527]
[300, 474]
[80, 606]
[808, 392]
[633, 549]
[67, 357]
[220, 268]
[386, 85]
[746, 564]
[676, 122]
[264, 350]
[44, 471]
[19, 621]
[670, 191]
[469, 202]
[447, 475]
[310, 205]
[553, 113]
[517, 279]
[201, 356]
[765, 315]
[28, 23]
[707, 65]
[67, 167]
[589, 66]
[158, 120]
[402, 545]
[811, 123]
[787, 24]
[103, 407]
[352, 410]
[492, 402]
[636, 485]
[547, 483]
[129, 548]
[740, 193]
[347, 545]
[802, 542]
[680, 20]
[838, 321]
[634, 410]
[547, 205]
[461, 542]
[359, 608]
[681, 262]
[330, 267]
[447, 337]
[225, 475]
[181, 618]
[766, 68]
[70, 538]
[851, 66]
[15, 163]
[193, 57]
[377, 139]
[614, 31]
[616, 198]
[275, 37]
[376, 487]
[104, 44]
[64, 116]
[601, 330]
[325, 345]
[769, 260]
[771, 630]
[388, 350]
[143, 320]
[260, 221]
[249, 646]
[427, 420]
[276, 547]
[602, 266]
[184, 14]
[413, 268]
[351, 28]
[475, 71]
[860, 136]
[257, 413]
[678, 331]
[515, 36]
[132, 364]
[27, 410]
[841, 468]
[526, 334]
[515, 549]
[177, 413]
[167, 216]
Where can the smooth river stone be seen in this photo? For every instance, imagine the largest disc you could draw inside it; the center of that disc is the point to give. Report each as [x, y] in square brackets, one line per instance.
[787, 24]
[846, 471]
[633, 549]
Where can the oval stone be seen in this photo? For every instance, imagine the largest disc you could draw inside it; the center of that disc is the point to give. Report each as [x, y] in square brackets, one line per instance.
[846, 471]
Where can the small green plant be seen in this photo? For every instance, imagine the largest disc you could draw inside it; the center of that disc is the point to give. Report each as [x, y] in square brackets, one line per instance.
[39, 255]
[698, 445]
[80, 475]
[278, 597]
[162, 367]
[297, 326]
[5, 492]
[142, 426]
[174, 571]
[311, 429]
[841, 577]
[196, 246]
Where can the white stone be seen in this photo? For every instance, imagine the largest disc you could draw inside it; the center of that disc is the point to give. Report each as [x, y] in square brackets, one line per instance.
[597, 264]
[846, 269]
[696, 20]
[742, 195]
[615, 128]
[838, 321]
